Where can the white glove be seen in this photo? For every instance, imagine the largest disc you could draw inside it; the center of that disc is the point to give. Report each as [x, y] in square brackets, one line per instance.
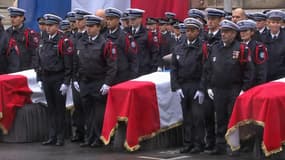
[76, 86]
[200, 95]
[211, 93]
[241, 92]
[63, 89]
[40, 83]
[159, 69]
[180, 93]
[104, 89]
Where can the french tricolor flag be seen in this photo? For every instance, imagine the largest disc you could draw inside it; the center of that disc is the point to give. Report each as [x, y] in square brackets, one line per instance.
[153, 8]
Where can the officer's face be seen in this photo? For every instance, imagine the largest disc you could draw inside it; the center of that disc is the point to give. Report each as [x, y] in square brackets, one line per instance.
[151, 27]
[177, 31]
[80, 23]
[169, 28]
[112, 22]
[125, 23]
[51, 28]
[17, 20]
[214, 23]
[274, 25]
[73, 25]
[246, 35]
[162, 27]
[192, 33]
[93, 30]
[260, 24]
[42, 27]
[135, 22]
[228, 35]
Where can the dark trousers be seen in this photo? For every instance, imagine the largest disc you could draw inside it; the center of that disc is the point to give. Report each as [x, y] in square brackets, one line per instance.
[224, 100]
[193, 117]
[56, 105]
[209, 111]
[94, 109]
[78, 114]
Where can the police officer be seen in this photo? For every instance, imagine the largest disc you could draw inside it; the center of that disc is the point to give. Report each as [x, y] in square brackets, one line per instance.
[125, 21]
[78, 119]
[215, 16]
[151, 24]
[166, 43]
[65, 27]
[42, 27]
[119, 45]
[261, 28]
[200, 15]
[274, 41]
[178, 35]
[72, 21]
[138, 36]
[229, 72]
[95, 69]
[213, 35]
[54, 73]
[187, 64]
[170, 17]
[3, 49]
[259, 53]
[22, 42]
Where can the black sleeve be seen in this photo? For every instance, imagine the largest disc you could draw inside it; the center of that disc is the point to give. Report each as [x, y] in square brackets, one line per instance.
[68, 60]
[173, 73]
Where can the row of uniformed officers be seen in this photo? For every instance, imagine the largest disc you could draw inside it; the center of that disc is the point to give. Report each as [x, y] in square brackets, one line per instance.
[209, 66]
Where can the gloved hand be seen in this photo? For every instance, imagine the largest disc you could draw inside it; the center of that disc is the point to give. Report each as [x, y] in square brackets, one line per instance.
[40, 83]
[211, 93]
[200, 95]
[76, 86]
[159, 69]
[180, 93]
[241, 92]
[105, 89]
[63, 89]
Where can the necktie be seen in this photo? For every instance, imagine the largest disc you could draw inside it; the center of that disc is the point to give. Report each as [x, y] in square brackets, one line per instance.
[274, 37]
[134, 31]
[211, 35]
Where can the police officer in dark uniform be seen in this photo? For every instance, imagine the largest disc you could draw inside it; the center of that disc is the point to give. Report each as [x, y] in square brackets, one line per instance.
[178, 35]
[215, 16]
[95, 69]
[187, 65]
[65, 27]
[54, 70]
[166, 43]
[72, 21]
[119, 45]
[42, 27]
[200, 15]
[259, 53]
[261, 28]
[274, 41]
[170, 17]
[138, 36]
[3, 49]
[228, 71]
[125, 21]
[22, 42]
[213, 35]
[78, 119]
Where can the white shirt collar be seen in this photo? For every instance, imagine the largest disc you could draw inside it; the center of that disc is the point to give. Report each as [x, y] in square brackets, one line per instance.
[261, 30]
[93, 38]
[191, 42]
[273, 35]
[52, 36]
[214, 33]
[113, 31]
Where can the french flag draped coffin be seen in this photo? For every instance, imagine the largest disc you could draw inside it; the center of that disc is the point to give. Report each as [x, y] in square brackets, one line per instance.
[18, 89]
[153, 8]
[263, 105]
[146, 104]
